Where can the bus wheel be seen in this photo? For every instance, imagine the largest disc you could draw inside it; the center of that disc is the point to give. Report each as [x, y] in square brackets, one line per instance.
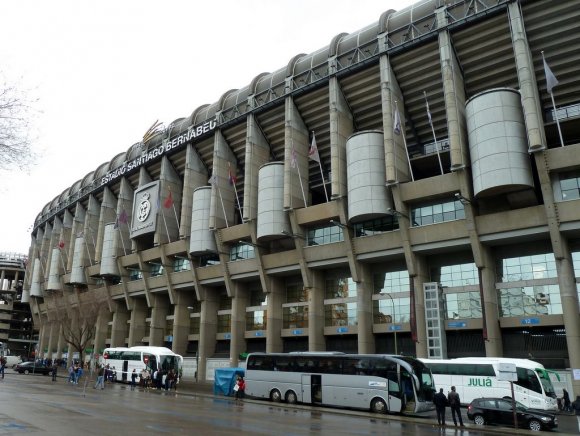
[275, 396]
[291, 397]
[378, 405]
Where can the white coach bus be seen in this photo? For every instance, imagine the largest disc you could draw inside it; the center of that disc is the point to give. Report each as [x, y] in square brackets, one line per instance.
[381, 383]
[476, 377]
[126, 359]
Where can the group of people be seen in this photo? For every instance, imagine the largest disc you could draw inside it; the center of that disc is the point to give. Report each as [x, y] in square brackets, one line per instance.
[75, 372]
[159, 379]
[453, 401]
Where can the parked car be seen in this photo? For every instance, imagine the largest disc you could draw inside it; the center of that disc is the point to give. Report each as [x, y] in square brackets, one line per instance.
[31, 367]
[499, 411]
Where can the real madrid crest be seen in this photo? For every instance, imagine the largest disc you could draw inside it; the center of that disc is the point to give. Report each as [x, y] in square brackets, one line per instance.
[144, 207]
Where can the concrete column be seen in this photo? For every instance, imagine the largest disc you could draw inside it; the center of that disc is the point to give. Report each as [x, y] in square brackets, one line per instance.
[181, 320]
[102, 326]
[295, 138]
[119, 328]
[421, 277]
[257, 154]
[570, 309]
[52, 339]
[74, 326]
[61, 342]
[159, 313]
[238, 326]
[454, 94]
[207, 331]
[364, 311]
[276, 297]
[137, 329]
[493, 344]
[316, 339]
[341, 127]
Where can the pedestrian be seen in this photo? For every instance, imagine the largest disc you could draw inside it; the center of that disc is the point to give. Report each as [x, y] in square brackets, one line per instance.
[440, 401]
[239, 388]
[100, 378]
[133, 379]
[71, 373]
[54, 370]
[576, 408]
[566, 401]
[169, 380]
[455, 405]
[2, 366]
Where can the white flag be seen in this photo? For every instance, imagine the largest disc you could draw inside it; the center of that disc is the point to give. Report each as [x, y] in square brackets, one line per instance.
[551, 80]
[428, 111]
[212, 179]
[313, 152]
[293, 158]
[397, 123]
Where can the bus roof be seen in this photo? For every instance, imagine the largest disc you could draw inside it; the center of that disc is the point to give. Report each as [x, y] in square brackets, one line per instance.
[522, 363]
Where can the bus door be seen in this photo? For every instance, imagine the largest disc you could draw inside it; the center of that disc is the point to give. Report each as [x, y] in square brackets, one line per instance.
[316, 392]
[407, 389]
[125, 370]
[306, 388]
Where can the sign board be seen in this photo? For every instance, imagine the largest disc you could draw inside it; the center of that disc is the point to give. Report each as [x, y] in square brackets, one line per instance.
[576, 374]
[342, 330]
[530, 321]
[395, 328]
[507, 372]
[457, 324]
[296, 332]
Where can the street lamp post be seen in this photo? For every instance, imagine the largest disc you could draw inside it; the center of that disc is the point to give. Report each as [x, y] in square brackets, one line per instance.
[393, 327]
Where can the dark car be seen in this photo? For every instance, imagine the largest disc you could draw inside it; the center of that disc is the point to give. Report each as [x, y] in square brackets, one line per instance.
[499, 411]
[31, 367]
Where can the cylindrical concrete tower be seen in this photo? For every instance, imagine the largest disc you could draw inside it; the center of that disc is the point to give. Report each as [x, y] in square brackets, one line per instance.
[271, 218]
[109, 256]
[368, 196]
[202, 239]
[497, 142]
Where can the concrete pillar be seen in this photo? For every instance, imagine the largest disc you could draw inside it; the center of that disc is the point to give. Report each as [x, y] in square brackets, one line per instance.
[207, 331]
[119, 328]
[101, 330]
[137, 329]
[257, 154]
[316, 339]
[181, 320]
[52, 339]
[61, 342]
[295, 138]
[159, 313]
[74, 326]
[421, 277]
[238, 325]
[341, 127]
[493, 344]
[364, 311]
[276, 297]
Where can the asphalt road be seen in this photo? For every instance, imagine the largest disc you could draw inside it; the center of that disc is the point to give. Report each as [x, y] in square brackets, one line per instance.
[34, 405]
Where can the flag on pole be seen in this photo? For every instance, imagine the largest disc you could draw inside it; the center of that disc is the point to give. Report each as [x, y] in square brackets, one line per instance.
[212, 179]
[231, 177]
[313, 152]
[293, 158]
[428, 111]
[551, 80]
[123, 217]
[397, 129]
[168, 202]
[61, 244]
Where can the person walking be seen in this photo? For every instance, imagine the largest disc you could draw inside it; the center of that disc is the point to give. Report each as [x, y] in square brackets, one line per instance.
[440, 401]
[2, 366]
[576, 408]
[239, 388]
[71, 373]
[455, 405]
[100, 378]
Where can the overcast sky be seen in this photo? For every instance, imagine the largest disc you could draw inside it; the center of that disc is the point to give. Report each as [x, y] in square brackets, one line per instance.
[104, 71]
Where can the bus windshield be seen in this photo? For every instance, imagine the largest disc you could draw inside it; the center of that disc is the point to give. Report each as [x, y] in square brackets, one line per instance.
[426, 390]
[546, 383]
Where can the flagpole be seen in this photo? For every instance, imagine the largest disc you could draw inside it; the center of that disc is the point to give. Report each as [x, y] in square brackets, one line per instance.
[551, 81]
[165, 222]
[323, 182]
[433, 130]
[223, 207]
[402, 133]
[87, 247]
[121, 237]
[237, 198]
[175, 212]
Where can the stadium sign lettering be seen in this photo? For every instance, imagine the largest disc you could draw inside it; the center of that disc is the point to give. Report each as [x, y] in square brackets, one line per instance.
[160, 150]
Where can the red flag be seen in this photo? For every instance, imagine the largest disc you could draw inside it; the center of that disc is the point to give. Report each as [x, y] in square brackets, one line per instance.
[123, 217]
[231, 177]
[168, 202]
[61, 244]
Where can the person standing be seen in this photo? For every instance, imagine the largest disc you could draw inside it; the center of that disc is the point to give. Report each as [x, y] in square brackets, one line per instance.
[440, 401]
[239, 388]
[2, 366]
[576, 408]
[54, 370]
[455, 405]
[566, 401]
[133, 379]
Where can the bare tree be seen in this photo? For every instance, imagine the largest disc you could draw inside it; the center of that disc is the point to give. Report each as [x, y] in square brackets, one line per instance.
[16, 127]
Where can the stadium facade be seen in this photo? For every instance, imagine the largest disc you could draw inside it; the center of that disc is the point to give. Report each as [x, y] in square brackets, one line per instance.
[407, 188]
